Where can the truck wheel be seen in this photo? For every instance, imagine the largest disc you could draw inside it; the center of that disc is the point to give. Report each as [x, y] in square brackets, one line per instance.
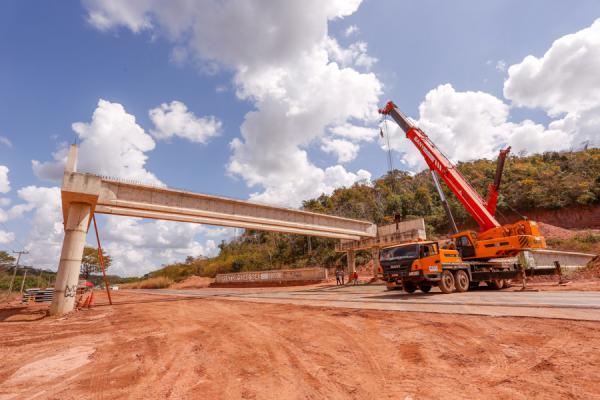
[425, 288]
[409, 287]
[461, 281]
[496, 284]
[446, 283]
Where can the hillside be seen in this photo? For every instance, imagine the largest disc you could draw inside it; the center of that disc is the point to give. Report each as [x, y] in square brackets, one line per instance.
[551, 182]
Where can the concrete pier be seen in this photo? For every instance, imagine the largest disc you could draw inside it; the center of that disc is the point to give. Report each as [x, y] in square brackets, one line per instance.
[351, 262]
[376, 265]
[65, 287]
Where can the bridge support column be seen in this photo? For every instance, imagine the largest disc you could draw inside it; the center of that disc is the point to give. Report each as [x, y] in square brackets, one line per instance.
[375, 255]
[65, 287]
[351, 262]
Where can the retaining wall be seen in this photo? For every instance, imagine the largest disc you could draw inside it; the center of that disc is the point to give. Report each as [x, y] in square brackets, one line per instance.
[273, 276]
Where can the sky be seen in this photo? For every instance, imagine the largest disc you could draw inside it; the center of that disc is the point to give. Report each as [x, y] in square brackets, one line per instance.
[275, 102]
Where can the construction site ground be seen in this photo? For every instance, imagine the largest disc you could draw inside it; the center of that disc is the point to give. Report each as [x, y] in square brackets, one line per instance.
[226, 346]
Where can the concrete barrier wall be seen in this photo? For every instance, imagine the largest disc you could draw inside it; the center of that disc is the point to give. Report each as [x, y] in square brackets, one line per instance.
[278, 275]
[567, 259]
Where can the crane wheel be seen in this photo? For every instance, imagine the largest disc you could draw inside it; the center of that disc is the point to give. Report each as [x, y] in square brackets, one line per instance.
[496, 284]
[425, 288]
[409, 287]
[461, 280]
[446, 283]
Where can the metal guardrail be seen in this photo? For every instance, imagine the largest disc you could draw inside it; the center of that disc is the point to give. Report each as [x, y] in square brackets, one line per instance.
[38, 295]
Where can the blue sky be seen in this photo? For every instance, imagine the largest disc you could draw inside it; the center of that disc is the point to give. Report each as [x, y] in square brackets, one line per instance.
[56, 64]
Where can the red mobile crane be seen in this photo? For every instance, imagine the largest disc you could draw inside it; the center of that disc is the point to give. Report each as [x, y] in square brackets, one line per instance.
[494, 240]
[479, 256]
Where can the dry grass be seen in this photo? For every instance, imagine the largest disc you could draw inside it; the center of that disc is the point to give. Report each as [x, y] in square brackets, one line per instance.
[159, 282]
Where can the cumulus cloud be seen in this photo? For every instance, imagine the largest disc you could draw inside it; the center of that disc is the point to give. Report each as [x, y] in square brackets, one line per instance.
[353, 55]
[174, 119]
[354, 132]
[4, 182]
[6, 237]
[344, 150]
[111, 144]
[45, 236]
[470, 125]
[141, 246]
[564, 79]
[300, 80]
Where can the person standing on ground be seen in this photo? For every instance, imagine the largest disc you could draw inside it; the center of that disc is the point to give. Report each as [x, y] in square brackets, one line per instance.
[337, 277]
[355, 278]
[342, 275]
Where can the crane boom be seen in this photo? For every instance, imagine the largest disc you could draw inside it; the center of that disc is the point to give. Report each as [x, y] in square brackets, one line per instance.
[492, 198]
[439, 163]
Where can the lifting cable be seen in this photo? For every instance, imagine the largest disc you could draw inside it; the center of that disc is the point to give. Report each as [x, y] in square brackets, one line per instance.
[387, 137]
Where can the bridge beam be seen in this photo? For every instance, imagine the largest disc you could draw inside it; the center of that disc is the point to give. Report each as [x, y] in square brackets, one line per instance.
[95, 194]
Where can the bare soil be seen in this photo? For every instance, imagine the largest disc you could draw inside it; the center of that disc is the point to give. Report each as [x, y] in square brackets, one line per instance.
[193, 282]
[160, 347]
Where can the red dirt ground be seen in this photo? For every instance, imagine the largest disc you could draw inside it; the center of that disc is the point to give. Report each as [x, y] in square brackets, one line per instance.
[149, 347]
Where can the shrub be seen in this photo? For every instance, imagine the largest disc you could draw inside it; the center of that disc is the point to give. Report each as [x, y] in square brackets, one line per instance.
[159, 282]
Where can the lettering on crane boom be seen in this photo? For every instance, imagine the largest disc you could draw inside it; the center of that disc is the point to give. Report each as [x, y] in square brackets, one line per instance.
[425, 150]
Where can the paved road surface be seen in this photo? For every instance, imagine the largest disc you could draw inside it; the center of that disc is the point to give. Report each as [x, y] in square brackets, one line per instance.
[563, 305]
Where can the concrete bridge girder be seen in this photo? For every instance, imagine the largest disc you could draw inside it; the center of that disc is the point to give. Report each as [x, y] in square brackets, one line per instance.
[85, 194]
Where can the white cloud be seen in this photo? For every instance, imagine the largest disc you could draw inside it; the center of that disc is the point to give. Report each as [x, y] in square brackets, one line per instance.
[175, 120]
[344, 150]
[309, 186]
[4, 182]
[4, 201]
[351, 30]
[6, 237]
[140, 246]
[111, 144]
[471, 125]
[300, 80]
[564, 79]
[5, 141]
[353, 55]
[46, 233]
[355, 133]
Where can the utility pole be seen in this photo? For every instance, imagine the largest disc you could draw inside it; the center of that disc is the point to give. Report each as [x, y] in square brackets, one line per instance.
[23, 281]
[19, 253]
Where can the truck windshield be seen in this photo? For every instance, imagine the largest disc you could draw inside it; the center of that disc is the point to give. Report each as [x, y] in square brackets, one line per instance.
[400, 252]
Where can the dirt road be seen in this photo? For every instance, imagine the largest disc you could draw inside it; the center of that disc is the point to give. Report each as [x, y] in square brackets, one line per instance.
[582, 305]
[178, 348]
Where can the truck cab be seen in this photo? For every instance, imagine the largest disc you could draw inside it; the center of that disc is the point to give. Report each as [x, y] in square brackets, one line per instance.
[415, 265]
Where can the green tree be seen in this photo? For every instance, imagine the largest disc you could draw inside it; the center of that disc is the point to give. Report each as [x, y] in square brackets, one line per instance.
[6, 258]
[90, 263]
